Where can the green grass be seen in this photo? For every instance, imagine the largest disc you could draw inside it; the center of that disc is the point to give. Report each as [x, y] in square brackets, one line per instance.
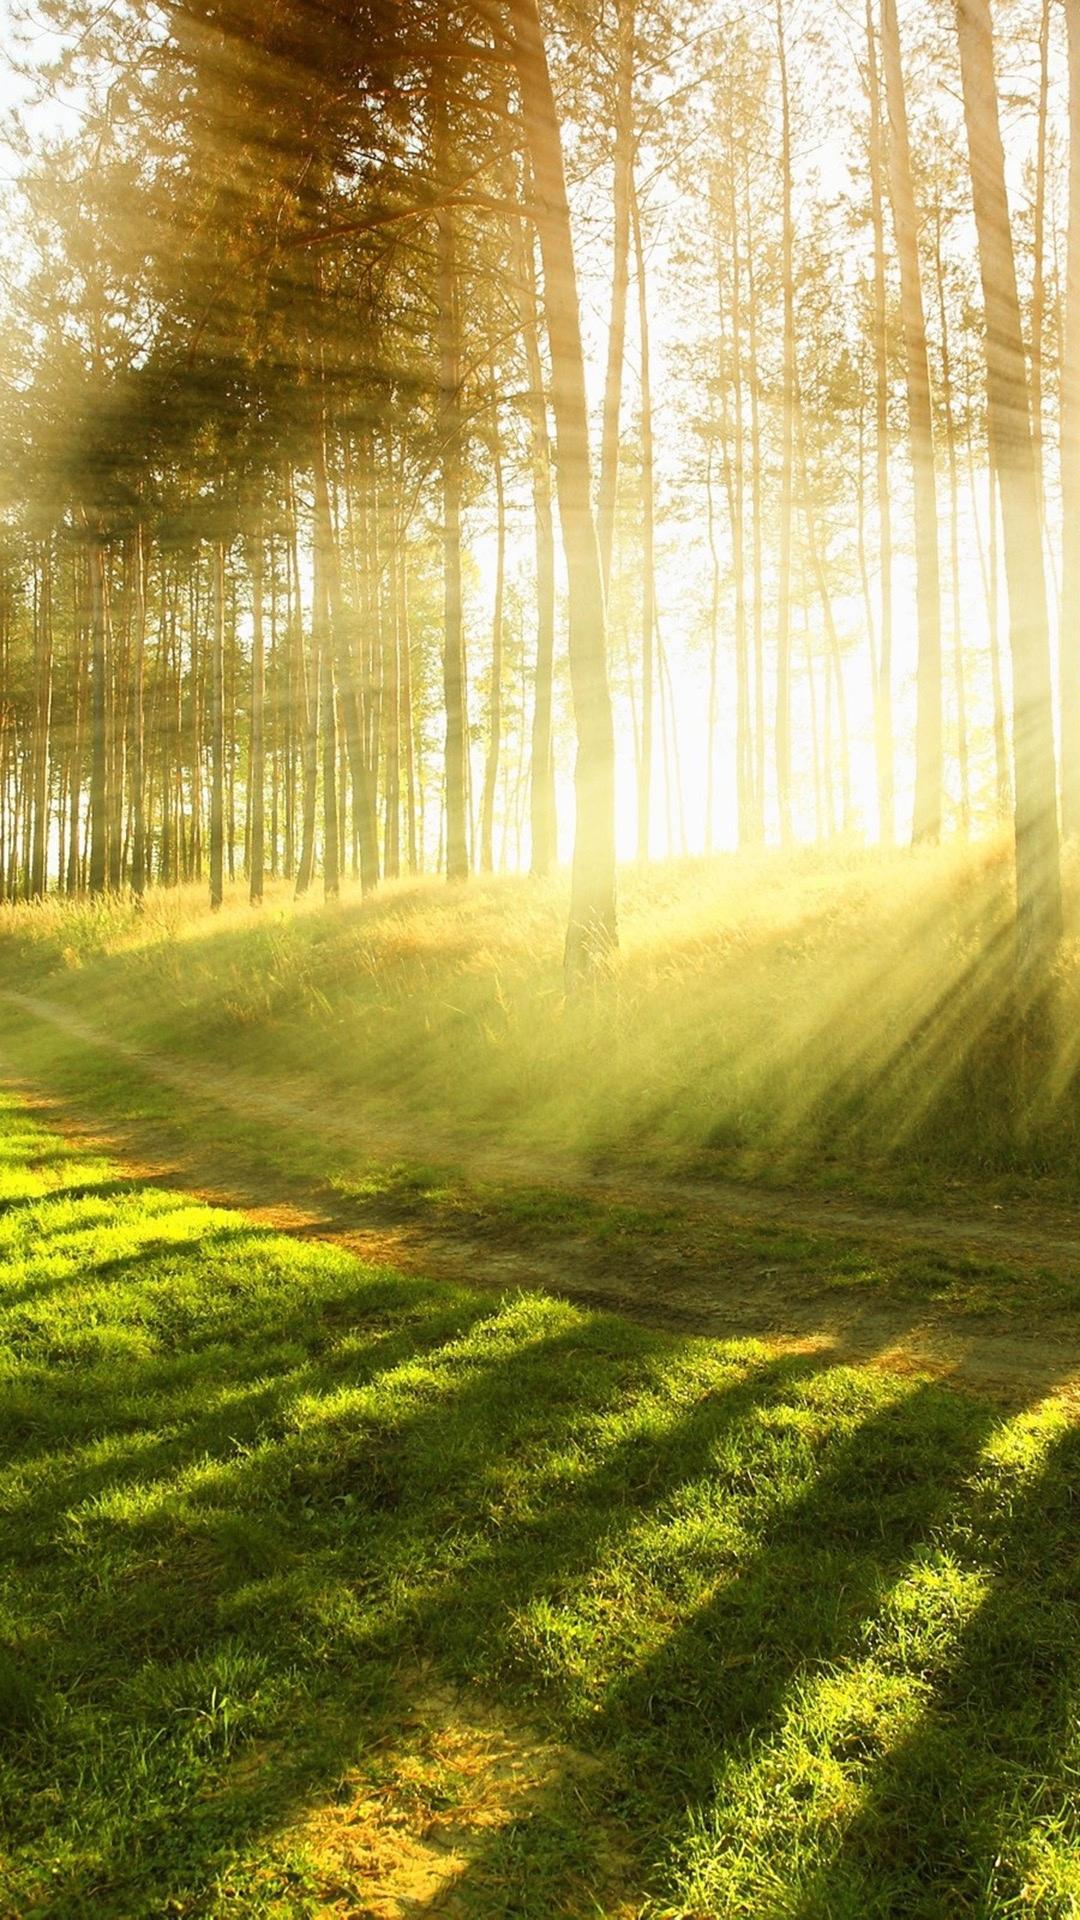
[293, 1548]
[839, 1016]
[655, 1252]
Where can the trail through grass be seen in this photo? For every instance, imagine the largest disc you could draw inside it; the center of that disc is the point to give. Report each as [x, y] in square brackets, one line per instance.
[836, 1016]
[331, 1591]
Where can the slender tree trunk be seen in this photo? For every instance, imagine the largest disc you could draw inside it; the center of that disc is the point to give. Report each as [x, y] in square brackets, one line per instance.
[406, 722]
[139, 872]
[293, 692]
[320, 616]
[733, 488]
[1069, 636]
[217, 731]
[257, 760]
[115, 680]
[451, 436]
[1001, 758]
[787, 455]
[714, 624]
[491, 765]
[756, 514]
[954, 532]
[926, 824]
[1038, 876]
[815, 550]
[355, 689]
[308, 682]
[1038, 277]
[883, 724]
[648, 543]
[542, 780]
[622, 189]
[99, 623]
[592, 929]
[43, 692]
[395, 643]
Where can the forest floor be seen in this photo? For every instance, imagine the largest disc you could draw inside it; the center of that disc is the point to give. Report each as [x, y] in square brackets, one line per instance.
[335, 1590]
[970, 1286]
[406, 1518]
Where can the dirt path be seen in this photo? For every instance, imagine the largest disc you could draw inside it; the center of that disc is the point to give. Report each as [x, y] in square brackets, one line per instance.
[706, 1266]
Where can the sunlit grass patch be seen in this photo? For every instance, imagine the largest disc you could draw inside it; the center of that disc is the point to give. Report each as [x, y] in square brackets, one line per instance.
[318, 1580]
[774, 1014]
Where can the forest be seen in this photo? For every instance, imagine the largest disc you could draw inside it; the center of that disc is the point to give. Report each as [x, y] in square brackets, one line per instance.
[539, 959]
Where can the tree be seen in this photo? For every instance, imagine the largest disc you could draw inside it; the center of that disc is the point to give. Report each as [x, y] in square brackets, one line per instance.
[592, 932]
[1038, 877]
[1069, 666]
[928, 745]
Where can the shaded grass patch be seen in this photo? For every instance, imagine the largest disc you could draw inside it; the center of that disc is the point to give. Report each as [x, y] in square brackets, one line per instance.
[291, 1543]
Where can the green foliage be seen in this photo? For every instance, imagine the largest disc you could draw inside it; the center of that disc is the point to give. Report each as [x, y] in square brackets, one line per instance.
[292, 1545]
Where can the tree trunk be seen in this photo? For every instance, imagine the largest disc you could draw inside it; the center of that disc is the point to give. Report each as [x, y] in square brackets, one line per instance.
[622, 189]
[1038, 876]
[954, 532]
[787, 457]
[257, 759]
[1038, 277]
[353, 678]
[320, 616]
[883, 726]
[491, 765]
[733, 488]
[217, 731]
[43, 678]
[756, 514]
[99, 623]
[138, 724]
[450, 427]
[1069, 638]
[395, 643]
[648, 545]
[542, 781]
[926, 824]
[592, 930]
[406, 718]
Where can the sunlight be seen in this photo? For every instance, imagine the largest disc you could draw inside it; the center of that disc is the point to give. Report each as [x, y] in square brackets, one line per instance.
[539, 959]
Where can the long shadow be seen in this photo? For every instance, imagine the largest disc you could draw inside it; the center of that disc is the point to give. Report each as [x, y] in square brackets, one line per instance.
[948, 1814]
[718, 1683]
[496, 1577]
[476, 1436]
[105, 1189]
[116, 1268]
[280, 1522]
[293, 1353]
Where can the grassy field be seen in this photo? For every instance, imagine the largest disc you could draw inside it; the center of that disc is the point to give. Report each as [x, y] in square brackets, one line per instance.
[329, 1591]
[813, 1016]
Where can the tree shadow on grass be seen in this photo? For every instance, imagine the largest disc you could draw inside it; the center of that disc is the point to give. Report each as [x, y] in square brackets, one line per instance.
[714, 1688]
[315, 1556]
[234, 1552]
[462, 1605]
[956, 1813]
[104, 1189]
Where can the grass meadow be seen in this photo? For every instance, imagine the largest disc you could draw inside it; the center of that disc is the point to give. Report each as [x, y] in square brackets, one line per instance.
[781, 1015]
[331, 1589]
[328, 1591]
